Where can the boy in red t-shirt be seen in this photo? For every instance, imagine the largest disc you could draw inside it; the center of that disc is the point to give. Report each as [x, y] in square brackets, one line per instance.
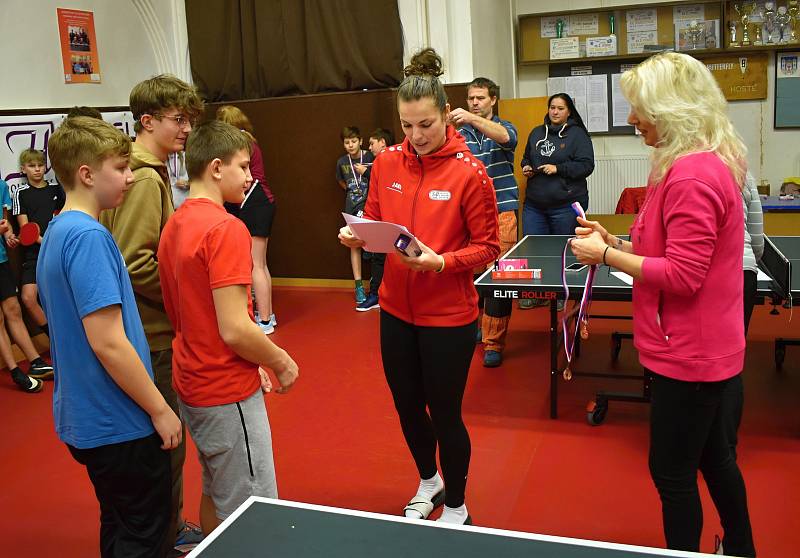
[206, 270]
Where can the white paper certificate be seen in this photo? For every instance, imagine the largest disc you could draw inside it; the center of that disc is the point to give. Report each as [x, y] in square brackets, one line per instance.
[637, 40]
[601, 46]
[583, 24]
[641, 20]
[685, 14]
[548, 26]
[566, 47]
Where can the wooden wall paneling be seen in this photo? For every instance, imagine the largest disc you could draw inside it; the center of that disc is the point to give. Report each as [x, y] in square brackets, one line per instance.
[300, 140]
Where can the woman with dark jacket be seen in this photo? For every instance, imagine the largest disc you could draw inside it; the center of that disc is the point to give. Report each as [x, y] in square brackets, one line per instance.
[557, 160]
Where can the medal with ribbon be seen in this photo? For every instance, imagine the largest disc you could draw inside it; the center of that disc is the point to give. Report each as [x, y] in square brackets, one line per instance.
[582, 315]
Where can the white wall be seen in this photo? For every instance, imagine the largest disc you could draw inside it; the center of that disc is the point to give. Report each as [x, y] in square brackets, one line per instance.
[455, 28]
[493, 45]
[136, 39]
[772, 154]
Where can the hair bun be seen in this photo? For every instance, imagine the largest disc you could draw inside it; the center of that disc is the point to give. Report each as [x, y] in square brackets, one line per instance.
[424, 63]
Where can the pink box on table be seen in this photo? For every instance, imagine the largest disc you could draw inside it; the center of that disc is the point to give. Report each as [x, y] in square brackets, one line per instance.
[512, 263]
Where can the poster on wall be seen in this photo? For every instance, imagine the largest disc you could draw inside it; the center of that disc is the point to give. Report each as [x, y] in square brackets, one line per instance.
[78, 46]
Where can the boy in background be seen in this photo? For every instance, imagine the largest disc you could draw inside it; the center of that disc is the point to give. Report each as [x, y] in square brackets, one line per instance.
[105, 405]
[206, 272]
[36, 202]
[164, 108]
[379, 140]
[352, 174]
[12, 314]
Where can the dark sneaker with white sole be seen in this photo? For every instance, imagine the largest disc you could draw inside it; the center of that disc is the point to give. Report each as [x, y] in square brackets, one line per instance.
[40, 370]
[25, 382]
[369, 304]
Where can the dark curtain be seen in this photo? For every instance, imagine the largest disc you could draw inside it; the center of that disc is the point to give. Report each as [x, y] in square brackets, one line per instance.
[250, 49]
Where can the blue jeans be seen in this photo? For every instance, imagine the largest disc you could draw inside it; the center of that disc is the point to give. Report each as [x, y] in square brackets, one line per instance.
[555, 220]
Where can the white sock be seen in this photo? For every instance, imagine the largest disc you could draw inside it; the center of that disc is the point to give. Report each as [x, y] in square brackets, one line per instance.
[454, 515]
[428, 488]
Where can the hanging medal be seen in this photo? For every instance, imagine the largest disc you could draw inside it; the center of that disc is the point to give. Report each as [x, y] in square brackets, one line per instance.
[582, 316]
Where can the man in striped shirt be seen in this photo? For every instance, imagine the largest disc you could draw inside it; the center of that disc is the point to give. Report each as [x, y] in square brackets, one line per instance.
[493, 142]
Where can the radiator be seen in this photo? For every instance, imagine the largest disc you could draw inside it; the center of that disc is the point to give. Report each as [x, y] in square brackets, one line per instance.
[613, 174]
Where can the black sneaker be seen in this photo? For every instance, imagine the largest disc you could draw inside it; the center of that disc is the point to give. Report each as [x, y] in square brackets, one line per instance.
[40, 370]
[25, 382]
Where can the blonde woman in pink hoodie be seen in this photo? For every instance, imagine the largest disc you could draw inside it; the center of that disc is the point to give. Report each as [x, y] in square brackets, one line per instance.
[685, 256]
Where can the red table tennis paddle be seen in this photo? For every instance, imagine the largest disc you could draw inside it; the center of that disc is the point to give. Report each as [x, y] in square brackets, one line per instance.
[28, 234]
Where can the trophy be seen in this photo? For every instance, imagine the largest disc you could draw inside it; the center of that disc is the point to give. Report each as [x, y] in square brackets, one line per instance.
[693, 32]
[733, 41]
[793, 14]
[559, 28]
[782, 19]
[744, 11]
[758, 21]
[769, 21]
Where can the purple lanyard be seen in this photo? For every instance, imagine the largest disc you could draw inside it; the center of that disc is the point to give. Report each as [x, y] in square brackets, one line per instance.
[582, 318]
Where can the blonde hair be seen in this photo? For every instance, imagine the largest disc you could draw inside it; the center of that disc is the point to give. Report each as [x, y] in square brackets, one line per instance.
[678, 94]
[31, 155]
[83, 140]
[236, 117]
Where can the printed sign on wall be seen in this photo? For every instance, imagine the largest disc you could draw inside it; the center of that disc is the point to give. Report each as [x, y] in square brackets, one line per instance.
[78, 46]
[740, 77]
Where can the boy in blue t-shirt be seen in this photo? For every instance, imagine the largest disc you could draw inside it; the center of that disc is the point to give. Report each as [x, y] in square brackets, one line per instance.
[11, 314]
[106, 407]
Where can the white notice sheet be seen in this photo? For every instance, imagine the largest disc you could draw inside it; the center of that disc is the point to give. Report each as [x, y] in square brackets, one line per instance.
[556, 85]
[576, 88]
[597, 91]
[620, 108]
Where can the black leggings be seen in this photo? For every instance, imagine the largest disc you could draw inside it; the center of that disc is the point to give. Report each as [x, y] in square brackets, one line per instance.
[426, 369]
[690, 428]
[750, 296]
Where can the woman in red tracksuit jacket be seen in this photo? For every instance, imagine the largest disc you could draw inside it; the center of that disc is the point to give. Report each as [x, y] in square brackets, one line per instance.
[433, 186]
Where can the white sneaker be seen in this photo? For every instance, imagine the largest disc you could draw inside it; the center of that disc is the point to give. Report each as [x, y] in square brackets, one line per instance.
[267, 328]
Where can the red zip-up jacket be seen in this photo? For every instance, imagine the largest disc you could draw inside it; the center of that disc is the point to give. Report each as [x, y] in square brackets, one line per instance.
[448, 202]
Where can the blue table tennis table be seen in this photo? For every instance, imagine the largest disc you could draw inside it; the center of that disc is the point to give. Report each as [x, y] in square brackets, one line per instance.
[278, 528]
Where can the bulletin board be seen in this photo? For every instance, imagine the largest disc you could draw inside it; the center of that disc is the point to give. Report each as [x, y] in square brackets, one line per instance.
[607, 67]
[787, 89]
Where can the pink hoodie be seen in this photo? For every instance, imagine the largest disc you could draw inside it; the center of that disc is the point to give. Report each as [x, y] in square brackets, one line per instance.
[687, 306]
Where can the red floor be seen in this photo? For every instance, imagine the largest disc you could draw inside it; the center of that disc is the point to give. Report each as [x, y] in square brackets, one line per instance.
[337, 440]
